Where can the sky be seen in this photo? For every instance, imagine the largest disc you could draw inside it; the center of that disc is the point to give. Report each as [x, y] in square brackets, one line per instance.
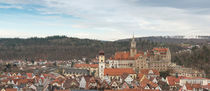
[104, 19]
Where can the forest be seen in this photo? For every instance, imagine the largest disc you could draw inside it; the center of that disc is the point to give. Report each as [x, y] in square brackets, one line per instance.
[199, 58]
[67, 48]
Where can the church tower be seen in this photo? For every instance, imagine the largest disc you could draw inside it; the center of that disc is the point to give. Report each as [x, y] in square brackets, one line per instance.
[133, 50]
[101, 64]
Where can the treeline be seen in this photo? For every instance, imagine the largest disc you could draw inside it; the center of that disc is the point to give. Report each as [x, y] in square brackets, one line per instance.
[199, 58]
[66, 48]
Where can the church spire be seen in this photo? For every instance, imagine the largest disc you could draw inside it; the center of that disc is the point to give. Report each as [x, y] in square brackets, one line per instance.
[133, 36]
[133, 50]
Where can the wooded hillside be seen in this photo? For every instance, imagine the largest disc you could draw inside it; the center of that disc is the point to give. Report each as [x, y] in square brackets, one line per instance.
[65, 48]
[199, 58]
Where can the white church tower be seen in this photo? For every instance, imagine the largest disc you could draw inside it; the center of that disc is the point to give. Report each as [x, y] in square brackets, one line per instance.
[101, 64]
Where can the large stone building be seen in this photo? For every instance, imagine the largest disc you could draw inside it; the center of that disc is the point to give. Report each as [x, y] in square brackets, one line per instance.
[157, 58]
[112, 73]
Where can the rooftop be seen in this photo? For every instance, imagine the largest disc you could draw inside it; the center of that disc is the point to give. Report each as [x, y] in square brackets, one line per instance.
[118, 71]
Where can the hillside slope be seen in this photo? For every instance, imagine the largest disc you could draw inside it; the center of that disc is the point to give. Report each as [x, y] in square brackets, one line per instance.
[65, 48]
[199, 58]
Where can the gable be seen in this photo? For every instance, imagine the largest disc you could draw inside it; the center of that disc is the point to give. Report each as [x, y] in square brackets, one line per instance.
[184, 87]
[155, 80]
[147, 87]
[158, 88]
[128, 78]
[150, 72]
[114, 84]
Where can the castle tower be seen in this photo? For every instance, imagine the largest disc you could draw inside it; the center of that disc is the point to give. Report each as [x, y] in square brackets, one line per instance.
[101, 64]
[133, 50]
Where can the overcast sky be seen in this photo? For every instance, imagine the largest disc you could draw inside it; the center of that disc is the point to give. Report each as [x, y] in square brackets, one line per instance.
[104, 19]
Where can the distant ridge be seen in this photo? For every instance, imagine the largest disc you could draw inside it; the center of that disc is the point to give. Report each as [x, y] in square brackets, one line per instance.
[66, 48]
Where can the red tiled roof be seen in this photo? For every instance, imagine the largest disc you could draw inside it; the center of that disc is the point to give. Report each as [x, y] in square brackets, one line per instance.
[126, 56]
[118, 71]
[11, 89]
[122, 55]
[140, 76]
[86, 65]
[172, 80]
[146, 71]
[146, 82]
[160, 49]
[24, 81]
[29, 75]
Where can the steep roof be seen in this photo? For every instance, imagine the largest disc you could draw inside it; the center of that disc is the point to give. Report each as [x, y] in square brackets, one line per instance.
[146, 82]
[140, 76]
[30, 75]
[118, 71]
[126, 56]
[171, 80]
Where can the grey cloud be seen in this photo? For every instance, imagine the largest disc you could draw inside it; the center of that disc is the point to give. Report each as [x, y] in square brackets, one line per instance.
[183, 4]
[144, 17]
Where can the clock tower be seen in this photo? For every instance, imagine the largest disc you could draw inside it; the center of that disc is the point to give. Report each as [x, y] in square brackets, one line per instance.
[101, 64]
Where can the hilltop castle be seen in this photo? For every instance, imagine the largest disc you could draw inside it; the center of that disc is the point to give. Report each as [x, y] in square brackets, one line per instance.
[157, 58]
[132, 61]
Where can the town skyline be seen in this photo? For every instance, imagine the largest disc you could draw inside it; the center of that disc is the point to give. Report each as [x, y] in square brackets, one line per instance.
[104, 45]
